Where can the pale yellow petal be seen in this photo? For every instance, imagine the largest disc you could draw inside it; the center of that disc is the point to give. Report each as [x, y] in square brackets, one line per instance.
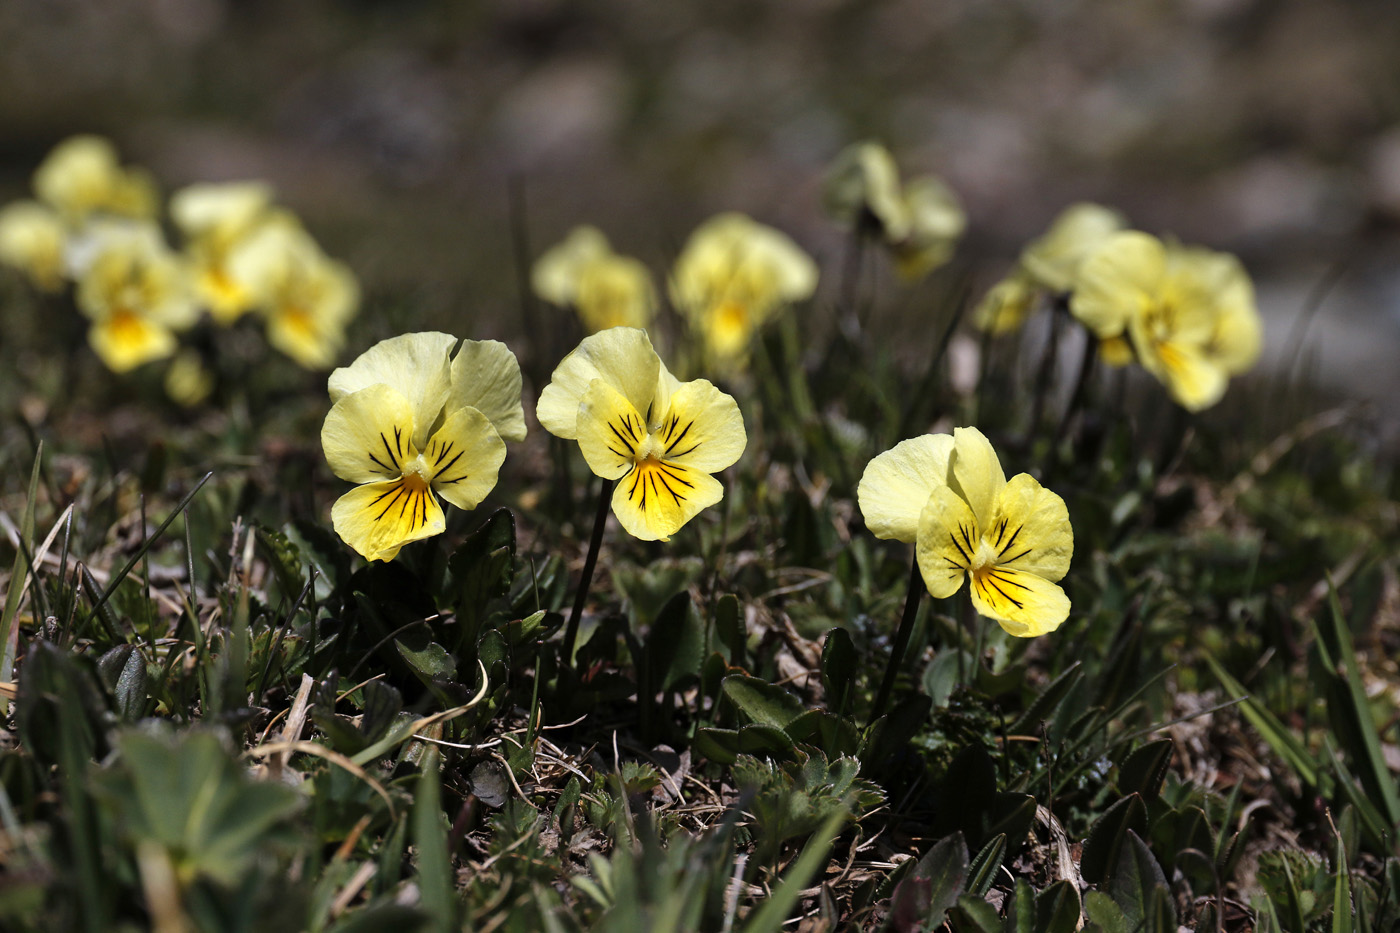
[864, 177]
[1238, 332]
[947, 542]
[611, 432]
[1024, 604]
[1119, 280]
[379, 518]
[656, 499]
[1116, 351]
[1053, 259]
[486, 376]
[1006, 305]
[1030, 530]
[124, 341]
[366, 435]
[975, 473]
[936, 221]
[896, 485]
[221, 211]
[703, 428]
[620, 356]
[32, 240]
[556, 274]
[1192, 378]
[416, 365]
[464, 458]
[615, 291]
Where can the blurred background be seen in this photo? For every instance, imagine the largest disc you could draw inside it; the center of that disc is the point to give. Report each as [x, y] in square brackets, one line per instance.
[427, 143]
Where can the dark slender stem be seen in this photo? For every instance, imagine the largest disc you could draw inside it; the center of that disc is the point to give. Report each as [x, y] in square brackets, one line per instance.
[901, 639]
[581, 597]
[1076, 400]
[1044, 377]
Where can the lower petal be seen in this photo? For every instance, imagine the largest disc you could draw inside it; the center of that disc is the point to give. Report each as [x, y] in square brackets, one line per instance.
[127, 340]
[657, 498]
[1024, 604]
[377, 519]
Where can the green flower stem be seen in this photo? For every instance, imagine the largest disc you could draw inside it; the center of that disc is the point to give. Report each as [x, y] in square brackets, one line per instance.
[901, 639]
[581, 597]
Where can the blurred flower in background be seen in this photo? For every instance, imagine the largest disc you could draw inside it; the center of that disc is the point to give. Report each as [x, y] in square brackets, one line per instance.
[606, 289]
[82, 176]
[215, 220]
[31, 240]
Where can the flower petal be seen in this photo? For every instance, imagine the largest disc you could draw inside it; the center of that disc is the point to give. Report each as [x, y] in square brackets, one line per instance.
[947, 542]
[1118, 281]
[1024, 604]
[414, 364]
[366, 435]
[465, 455]
[1031, 529]
[125, 341]
[556, 275]
[1055, 257]
[896, 485]
[703, 430]
[1194, 380]
[611, 433]
[621, 356]
[486, 376]
[656, 499]
[379, 518]
[975, 473]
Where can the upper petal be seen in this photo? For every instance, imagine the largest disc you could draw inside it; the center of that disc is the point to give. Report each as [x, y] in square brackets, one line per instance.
[366, 435]
[620, 356]
[975, 473]
[486, 376]
[556, 275]
[465, 456]
[947, 542]
[1054, 258]
[897, 484]
[1026, 605]
[703, 428]
[1118, 280]
[416, 365]
[611, 433]
[656, 499]
[1031, 529]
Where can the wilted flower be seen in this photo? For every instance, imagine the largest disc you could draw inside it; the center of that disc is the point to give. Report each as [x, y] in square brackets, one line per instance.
[732, 276]
[948, 496]
[920, 223]
[1048, 264]
[607, 290]
[409, 424]
[82, 176]
[634, 422]
[1188, 312]
[32, 241]
[216, 219]
[134, 290]
[305, 297]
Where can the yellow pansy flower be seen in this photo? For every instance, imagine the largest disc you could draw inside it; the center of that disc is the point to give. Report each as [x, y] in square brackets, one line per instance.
[134, 290]
[1049, 263]
[187, 380]
[215, 219]
[405, 426]
[607, 290]
[83, 176]
[732, 276]
[305, 297]
[32, 239]
[1012, 539]
[1188, 312]
[635, 423]
[919, 222]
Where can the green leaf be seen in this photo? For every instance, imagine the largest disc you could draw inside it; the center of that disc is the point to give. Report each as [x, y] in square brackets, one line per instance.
[1021, 913]
[762, 702]
[284, 558]
[435, 881]
[922, 900]
[1143, 771]
[1107, 836]
[123, 672]
[482, 569]
[1284, 743]
[974, 915]
[675, 645]
[1047, 702]
[772, 914]
[985, 866]
[1101, 909]
[839, 665]
[1057, 909]
[19, 572]
[1342, 915]
[729, 626]
[1135, 876]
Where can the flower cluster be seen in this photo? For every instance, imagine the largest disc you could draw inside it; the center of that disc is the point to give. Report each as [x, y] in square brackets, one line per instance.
[95, 222]
[919, 222]
[731, 278]
[1011, 539]
[409, 422]
[606, 289]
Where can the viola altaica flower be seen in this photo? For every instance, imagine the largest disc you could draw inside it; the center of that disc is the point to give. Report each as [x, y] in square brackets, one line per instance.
[32, 239]
[1011, 539]
[635, 423]
[1188, 313]
[82, 176]
[215, 219]
[305, 297]
[1049, 264]
[134, 290]
[732, 276]
[920, 223]
[408, 424]
[607, 290]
